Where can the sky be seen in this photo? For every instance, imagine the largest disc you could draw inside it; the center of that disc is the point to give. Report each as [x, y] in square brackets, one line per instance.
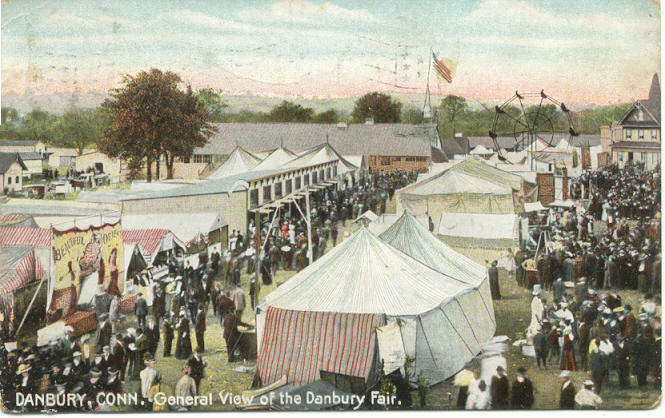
[591, 51]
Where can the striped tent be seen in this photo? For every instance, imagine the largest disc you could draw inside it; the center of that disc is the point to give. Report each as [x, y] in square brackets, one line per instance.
[19, 236]
[17, 219]
[325, 318]
[150, 241]
[18, 268]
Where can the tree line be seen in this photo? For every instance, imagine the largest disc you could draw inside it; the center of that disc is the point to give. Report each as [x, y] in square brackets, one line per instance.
[153, 118]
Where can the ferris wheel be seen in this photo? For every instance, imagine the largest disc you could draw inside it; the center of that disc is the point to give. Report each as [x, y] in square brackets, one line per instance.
[530, 118]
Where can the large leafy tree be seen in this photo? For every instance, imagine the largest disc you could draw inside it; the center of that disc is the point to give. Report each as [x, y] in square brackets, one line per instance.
[452, 107]
[212, 103]
[10, 129]
[328, 116]
[290, 112]
[38, 126]
[378, 106]
[150, 117]
[80, 128]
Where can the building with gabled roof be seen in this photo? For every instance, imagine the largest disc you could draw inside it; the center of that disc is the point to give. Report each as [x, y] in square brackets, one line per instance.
[640, 131]
[11, 172]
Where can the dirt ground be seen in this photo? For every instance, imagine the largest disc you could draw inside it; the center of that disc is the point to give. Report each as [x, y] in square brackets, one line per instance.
[512, 315]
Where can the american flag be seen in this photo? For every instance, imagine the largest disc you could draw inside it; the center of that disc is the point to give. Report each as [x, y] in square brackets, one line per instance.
[444, 68]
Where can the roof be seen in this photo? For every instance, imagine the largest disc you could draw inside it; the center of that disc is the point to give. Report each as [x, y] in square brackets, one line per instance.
[365, 275]
[636, 144]
[480, 150]
[148, 240]
[451, 181]
[17, 219]
[185, 226]
[390, 139]
[321, 154]
[26, 143]
[8, 158]
[651, 105]
[20, 236]
[214, 186]
[411, 237]
[30, 156]
[455, 146]
[478, 225]
[276, 159]
[240, 161]
[510, 143]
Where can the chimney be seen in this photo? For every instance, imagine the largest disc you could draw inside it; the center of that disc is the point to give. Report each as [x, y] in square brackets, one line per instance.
[369, 121]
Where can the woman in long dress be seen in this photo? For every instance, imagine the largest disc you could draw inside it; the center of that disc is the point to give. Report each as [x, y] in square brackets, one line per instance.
[183, 348]
[568, 358]
[113, 282]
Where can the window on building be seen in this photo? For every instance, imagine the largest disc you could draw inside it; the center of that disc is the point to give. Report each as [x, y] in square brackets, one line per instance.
[328, 173]
[655, 158]
[289, 186]
[335, 171]
[640, 115]
[629, 133]
[9, 180]
[654, 134]
[306, 179]
[643, 157]
[385, 160]
[314, 178]
[641, 133]
[322, 175]
[298, 183]
[278, 190]
[16, 179]
[267, 194]
[620, 156]
[254, 198]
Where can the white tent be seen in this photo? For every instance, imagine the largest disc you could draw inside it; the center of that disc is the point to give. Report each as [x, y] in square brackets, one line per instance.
[133, 259]
[276, 159]
[480, 150]
[411, 237]
[333, 306]
[240, 161]
[322, 154]
[386, 220]
[368, 216]
[480, 236]
[185, 226]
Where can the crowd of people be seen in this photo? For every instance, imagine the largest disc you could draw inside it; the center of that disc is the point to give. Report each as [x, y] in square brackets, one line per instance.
[108, 362]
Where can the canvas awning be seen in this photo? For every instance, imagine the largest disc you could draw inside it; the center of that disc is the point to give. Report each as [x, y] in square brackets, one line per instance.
[533, 207]
[478, 225]
[185, 226]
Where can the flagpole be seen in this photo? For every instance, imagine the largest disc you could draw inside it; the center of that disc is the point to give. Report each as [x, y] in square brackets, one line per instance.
[427, 94]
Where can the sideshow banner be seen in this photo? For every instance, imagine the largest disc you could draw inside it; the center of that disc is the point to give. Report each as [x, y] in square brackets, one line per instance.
[81, 255]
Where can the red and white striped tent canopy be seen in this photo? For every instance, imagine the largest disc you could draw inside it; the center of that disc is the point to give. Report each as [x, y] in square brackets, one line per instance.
[150, 241]
[18, 268]
[19, 236]
[17, 219]
[325, 317]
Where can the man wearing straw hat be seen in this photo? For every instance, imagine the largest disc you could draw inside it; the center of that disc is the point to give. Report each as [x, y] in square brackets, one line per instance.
[148, 376]
[586, 398]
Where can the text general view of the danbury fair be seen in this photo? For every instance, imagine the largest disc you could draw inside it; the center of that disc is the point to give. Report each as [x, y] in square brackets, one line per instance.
[330, 205]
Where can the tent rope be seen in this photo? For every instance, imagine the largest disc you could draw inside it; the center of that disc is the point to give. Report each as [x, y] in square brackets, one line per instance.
[457, 332]
[467, 320]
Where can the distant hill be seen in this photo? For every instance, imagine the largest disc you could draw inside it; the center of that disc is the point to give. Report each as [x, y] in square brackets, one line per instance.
[59, 103]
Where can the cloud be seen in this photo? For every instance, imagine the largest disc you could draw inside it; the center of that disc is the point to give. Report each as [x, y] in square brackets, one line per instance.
[519, 14]
[302, 11]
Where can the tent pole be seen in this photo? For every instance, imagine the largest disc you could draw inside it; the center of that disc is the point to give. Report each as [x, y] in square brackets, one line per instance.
[309, 227]
[27, 311]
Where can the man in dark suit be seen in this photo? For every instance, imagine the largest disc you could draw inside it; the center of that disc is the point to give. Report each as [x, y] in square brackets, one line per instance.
[104, 333]
[152, 334]
[231, 333]
[567, 397]
[118, 356]
[522, 395]
[500, 389]
[493, 274]
[200, 328]
[168, 337]
[141, 310]
[197, 366]
[141, 349]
